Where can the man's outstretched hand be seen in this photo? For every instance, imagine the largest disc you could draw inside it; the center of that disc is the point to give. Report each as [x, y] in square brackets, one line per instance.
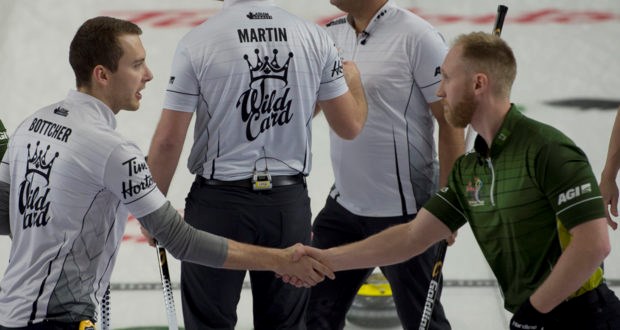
[310, 261]
[301, 269]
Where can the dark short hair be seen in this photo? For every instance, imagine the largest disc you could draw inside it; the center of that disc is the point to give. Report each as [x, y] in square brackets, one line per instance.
[96, 43]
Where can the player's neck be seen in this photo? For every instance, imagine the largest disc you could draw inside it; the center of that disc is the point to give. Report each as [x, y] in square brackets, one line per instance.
[361, 16]
[98, 94]
[488, 119]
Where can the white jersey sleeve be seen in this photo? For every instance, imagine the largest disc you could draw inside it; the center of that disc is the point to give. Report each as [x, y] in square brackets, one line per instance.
[183, 87]
[129, 179]
[333, 83]
[430, 49]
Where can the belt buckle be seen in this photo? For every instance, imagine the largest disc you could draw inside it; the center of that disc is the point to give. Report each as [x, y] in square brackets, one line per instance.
[261, 181]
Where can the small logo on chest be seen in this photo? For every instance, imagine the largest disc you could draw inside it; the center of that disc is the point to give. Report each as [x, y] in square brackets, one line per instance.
[473, 192]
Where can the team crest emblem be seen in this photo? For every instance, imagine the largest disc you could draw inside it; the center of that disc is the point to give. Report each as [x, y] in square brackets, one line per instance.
[473, 192]
[267, 102]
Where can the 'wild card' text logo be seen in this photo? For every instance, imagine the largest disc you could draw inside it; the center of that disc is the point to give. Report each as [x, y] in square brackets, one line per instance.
[264, 105]
[34, 190]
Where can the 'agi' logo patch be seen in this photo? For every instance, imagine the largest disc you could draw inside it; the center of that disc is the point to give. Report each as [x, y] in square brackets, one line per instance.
[574, 192]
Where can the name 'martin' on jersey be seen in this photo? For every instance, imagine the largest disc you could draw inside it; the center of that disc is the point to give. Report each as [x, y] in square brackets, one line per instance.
[262, 34]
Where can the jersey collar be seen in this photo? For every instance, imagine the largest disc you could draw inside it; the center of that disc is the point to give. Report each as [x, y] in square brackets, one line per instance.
[87, 102]
[228, 3]
[503, 135]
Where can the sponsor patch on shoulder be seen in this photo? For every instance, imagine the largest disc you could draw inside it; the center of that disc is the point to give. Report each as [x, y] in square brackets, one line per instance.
[338, 21]
[574, 192]
[61, 111]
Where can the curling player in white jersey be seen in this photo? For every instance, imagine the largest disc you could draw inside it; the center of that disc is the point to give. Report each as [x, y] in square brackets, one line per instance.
[68, 181]
[252, 75]
[384, 176]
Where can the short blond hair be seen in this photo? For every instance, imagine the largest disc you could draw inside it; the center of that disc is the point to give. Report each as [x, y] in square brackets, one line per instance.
[489, 54]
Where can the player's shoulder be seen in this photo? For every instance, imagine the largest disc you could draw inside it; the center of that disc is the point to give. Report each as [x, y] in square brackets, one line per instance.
[542, 132]
[403, 19]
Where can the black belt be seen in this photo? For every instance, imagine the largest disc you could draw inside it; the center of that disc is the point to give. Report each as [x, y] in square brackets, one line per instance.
[280, 180]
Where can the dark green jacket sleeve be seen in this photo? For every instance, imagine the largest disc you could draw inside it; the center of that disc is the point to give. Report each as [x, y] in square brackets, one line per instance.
[565, 176]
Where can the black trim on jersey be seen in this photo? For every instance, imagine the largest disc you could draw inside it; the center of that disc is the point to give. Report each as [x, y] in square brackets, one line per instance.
[417, 198]
[202, 96]
[112, 255]
[202, 166]
[145, 194]
[331, 190]
[303, 169]
[401, 193]
[182, 93]
[433, 84]
[308, 123]
[327, 82]
[212, 176]
[78, 236]
[33, 315]
[411, 89]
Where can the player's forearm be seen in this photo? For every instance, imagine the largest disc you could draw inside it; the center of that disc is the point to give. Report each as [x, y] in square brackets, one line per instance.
[183, 241]
[354, 82]
[612, 164]
[577, 263]
[244, 256]
[189, 244]
[390, 246]
[357, 90]
[163, 159]
[166, 146]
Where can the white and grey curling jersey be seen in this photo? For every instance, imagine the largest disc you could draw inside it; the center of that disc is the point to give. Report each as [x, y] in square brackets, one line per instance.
[73, 180]
[391, 167]
[253, 73]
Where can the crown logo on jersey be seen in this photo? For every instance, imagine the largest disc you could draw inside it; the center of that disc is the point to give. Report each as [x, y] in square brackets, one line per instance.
[38, 162]
[268, 69]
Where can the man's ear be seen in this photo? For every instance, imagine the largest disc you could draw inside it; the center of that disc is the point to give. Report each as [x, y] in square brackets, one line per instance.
[101, 75]
[481, 83]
